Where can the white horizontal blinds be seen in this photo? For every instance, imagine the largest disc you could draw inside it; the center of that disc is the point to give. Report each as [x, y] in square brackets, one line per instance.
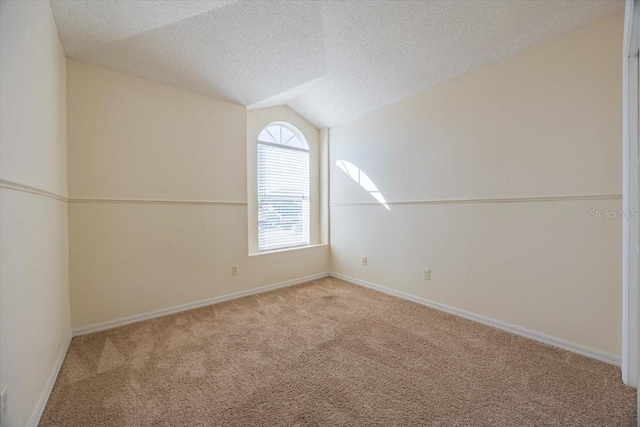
[283, 189]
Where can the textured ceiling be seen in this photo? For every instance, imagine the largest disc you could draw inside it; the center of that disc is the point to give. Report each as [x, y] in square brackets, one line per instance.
[329, 61]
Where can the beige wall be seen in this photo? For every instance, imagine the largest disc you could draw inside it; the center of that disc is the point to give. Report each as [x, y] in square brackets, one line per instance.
[34, 292]
[130, 141]
[130, 138]
[544, 122]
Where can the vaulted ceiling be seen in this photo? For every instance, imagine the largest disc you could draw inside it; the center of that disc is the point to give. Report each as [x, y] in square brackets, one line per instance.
[328, 60]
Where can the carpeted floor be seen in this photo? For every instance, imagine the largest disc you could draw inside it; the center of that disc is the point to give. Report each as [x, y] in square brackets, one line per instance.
[328, 353]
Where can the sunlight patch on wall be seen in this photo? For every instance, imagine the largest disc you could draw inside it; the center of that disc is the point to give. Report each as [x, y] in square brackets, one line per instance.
[361, 178]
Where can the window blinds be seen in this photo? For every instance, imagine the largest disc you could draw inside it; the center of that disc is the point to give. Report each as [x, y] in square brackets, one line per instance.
[283, 196]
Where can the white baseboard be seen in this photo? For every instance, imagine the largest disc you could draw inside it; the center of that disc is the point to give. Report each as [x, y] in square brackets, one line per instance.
[44, 397]
[189, 306]
[514, 329]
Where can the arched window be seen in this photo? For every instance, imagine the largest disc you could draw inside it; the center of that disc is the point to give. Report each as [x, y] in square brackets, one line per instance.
[283, 187]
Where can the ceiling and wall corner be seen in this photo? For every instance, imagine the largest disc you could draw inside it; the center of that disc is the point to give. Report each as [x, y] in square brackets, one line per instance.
[329, 61]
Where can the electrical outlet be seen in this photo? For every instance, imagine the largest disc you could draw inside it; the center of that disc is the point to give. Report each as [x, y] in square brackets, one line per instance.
[364, 261]
[234, 270]
[4, 406]
[426, 274]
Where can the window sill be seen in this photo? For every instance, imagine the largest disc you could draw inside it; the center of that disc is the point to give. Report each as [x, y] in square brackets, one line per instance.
[295, 248]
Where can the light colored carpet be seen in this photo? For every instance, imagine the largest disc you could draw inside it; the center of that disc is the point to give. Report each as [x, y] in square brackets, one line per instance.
[328, 353]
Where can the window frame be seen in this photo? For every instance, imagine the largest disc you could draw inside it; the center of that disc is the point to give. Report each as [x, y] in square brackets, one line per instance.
[297, 133]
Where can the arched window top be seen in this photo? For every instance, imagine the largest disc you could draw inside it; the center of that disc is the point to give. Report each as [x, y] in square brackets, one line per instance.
[283, 134]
